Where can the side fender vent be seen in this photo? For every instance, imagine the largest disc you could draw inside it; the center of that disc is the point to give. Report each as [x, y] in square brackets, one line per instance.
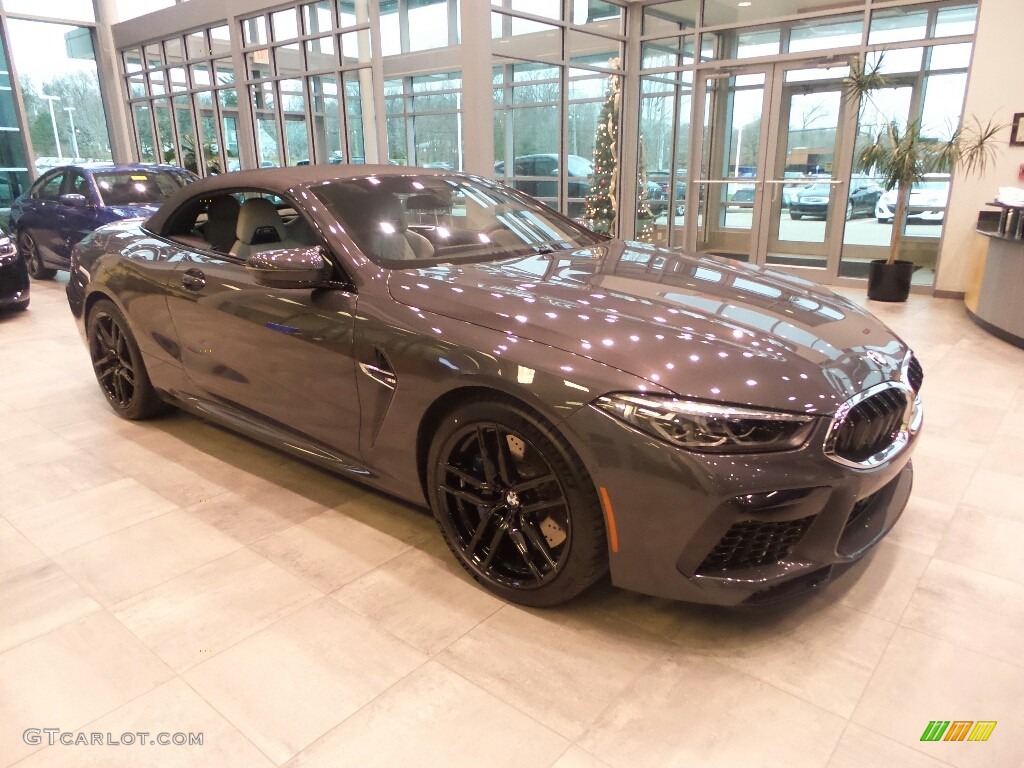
[380, 370]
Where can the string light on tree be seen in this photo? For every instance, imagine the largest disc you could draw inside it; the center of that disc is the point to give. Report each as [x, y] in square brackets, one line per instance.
[601, 205]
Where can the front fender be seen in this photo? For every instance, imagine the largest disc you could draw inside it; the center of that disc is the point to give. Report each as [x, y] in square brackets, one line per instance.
[434, 357]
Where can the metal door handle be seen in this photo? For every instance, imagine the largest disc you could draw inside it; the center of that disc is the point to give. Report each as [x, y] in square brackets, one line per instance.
[193, 279]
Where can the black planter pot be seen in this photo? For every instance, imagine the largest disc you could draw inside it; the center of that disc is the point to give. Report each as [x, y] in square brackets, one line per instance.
[889, 282]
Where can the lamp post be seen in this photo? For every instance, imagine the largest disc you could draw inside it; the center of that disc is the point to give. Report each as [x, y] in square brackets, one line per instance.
[53, 122]
[74, 139]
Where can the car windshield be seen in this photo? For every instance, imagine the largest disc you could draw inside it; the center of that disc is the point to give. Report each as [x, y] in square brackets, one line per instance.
[138, 187]
[439, 219]
[815, 189]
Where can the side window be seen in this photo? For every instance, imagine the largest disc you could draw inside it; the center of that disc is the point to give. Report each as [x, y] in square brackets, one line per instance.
[546, 166]
[77, 184]
[48, 188]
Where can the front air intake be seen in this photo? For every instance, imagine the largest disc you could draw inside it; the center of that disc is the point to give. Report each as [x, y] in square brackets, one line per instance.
[751, 543]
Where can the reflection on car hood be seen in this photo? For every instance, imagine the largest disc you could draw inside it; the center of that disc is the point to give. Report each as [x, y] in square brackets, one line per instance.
[706, 328]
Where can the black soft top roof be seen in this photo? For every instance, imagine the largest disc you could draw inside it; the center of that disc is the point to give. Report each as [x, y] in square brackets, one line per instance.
[279, 181]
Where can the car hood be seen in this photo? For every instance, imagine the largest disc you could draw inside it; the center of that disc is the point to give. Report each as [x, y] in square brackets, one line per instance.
[704, 328]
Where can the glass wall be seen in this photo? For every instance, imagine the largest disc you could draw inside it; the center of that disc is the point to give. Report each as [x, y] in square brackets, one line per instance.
[14, 176]
[424, 120]
[306, 78]
[794, 59]
[183, 101]
[61, 92]
[314, 90]
[924, 84]
[553, 67]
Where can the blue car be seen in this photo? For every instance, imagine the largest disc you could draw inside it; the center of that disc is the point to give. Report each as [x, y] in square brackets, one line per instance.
[67, 203]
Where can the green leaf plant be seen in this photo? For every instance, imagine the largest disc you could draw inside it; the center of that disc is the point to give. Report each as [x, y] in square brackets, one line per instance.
[901, 156]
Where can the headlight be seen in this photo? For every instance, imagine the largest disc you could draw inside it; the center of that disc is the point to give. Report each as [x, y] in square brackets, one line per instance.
[709, 428]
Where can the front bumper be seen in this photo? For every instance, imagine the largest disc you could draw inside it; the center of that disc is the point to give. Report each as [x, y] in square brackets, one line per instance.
[14, 282]
[731, 529]
[809, 209]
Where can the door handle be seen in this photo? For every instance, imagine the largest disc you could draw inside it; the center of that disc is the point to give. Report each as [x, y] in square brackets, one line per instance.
[193, 279]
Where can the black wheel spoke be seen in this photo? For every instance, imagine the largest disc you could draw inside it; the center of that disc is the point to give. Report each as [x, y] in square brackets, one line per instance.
[530, 509]
[539, 544]
[464, 495]
[467, 478]
[532, 483]
[104, 335]
[118, 384]
[504, 461]
[492, 549]
[478, 534]
[524, 552]
[490, 472]
[105, 365]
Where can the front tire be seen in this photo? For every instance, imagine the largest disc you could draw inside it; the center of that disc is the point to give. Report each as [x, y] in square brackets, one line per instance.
[795, 216]
[515, 504]
[118, 364]
[33, 261]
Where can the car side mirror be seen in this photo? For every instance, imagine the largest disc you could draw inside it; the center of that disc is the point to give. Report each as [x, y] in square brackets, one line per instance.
[305, 267]
[74, 200]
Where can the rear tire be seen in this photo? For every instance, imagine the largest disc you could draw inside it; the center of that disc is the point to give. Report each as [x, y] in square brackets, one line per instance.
[117, 363]
[30, 253]
[795, 216]
[515, 503]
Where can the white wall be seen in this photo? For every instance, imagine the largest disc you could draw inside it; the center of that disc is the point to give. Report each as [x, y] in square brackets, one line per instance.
[995, 90]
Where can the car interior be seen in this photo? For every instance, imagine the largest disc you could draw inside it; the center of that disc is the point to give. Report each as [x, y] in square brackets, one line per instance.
[239, 224]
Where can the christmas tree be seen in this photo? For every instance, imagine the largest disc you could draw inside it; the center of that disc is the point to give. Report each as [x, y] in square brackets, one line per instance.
[602, 203]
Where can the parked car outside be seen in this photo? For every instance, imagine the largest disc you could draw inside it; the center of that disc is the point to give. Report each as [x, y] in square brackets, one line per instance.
[813, 200]
[542, 167]
[65, 204]
[14, 282]
[564, 403]
[928, 200]
[664, 180]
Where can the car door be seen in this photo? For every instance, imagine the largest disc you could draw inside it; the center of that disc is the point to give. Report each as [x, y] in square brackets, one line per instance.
[269, 355]
[40, 213]
[74, 221]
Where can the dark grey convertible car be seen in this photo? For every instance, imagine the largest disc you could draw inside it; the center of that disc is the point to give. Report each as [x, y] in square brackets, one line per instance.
[566, 405]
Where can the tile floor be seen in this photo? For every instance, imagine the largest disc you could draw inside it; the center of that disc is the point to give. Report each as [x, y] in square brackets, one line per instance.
[170, 576]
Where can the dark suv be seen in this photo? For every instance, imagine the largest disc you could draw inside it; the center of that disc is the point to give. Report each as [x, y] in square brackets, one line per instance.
[536, 175]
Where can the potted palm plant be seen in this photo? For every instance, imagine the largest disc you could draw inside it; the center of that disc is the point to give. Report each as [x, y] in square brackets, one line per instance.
[900, 156]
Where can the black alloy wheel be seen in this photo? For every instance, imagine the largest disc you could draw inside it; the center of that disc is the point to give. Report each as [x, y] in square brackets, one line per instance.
[117, 363]
[30, 253]
[515, 505]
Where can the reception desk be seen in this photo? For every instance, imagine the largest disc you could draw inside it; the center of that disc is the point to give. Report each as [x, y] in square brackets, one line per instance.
[995, 298]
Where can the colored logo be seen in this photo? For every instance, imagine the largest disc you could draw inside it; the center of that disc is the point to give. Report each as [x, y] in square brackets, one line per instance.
[958, 730]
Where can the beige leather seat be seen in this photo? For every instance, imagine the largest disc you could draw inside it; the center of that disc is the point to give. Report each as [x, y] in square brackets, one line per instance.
[221, 222]
[259, 226]
[388, 236]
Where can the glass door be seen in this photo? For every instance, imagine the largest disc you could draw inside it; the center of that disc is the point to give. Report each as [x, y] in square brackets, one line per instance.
[806, 198]
[774, 177]
[732, 162]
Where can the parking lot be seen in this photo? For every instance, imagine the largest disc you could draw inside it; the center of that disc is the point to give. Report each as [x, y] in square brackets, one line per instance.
[859, 231]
